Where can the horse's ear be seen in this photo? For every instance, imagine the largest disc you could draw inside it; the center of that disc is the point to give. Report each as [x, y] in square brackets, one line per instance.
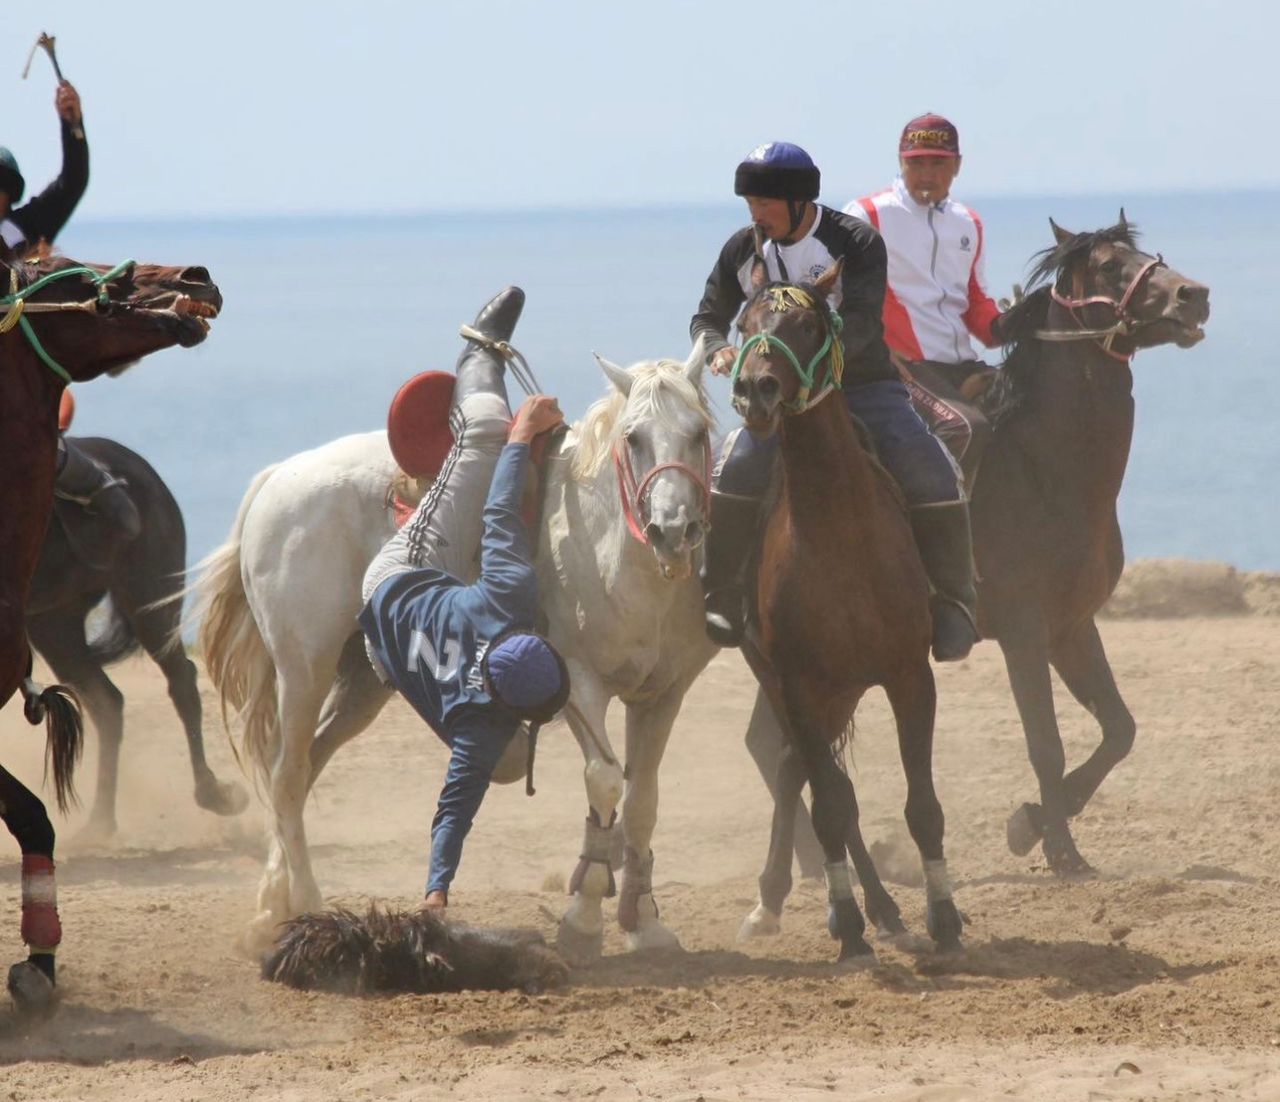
[1123, 220]
[825, 284]
[618, 376]
[1060, 235]
[759, 274]
[697, 360]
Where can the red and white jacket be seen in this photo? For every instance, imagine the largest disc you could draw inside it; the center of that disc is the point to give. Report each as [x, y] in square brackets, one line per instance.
[937, 296]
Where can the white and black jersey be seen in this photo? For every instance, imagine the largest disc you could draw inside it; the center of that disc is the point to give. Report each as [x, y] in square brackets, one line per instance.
[859, 299]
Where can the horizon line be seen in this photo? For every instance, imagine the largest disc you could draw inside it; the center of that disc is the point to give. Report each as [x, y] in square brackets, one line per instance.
[371, 214]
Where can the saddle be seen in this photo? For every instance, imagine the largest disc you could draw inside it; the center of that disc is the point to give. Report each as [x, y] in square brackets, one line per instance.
[420, 437]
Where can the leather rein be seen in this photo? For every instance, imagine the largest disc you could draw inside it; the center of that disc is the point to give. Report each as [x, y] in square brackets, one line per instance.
[1125, 324]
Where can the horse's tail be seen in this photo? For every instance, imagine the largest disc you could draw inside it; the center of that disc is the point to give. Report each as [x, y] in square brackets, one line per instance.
[59, 708]
[116, 639]
[235, 655]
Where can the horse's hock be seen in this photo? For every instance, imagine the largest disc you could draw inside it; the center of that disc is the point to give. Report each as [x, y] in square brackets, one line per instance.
[1170, 588]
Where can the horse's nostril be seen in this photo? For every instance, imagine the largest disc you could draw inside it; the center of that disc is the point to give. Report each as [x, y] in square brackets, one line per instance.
[692, 532]
[195, 275]
[1192, 292]
[653, 532]
[740, 387]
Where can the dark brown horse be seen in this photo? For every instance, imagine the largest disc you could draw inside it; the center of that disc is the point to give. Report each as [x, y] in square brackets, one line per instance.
[1046, 536]
[842, 605]
[142, 582]
[61, 320]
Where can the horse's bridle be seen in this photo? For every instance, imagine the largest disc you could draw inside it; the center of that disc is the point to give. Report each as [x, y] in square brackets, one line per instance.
[831, 350]
[1124, 324]
[635, 492]
[19, 307]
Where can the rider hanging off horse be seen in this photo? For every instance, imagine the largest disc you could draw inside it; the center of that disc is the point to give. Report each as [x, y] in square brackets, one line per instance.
[797, 239]
[466, 656]
[24, 228]
[937, 297]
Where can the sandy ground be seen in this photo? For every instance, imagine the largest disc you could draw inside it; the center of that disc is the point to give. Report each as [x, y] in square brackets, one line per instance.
[1161, 979]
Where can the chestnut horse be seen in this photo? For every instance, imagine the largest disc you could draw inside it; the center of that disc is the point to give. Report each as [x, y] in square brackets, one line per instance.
[842, 604]
[61, 321]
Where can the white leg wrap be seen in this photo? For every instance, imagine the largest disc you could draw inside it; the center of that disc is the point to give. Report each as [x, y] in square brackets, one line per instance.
[937, 884]
[839, 881]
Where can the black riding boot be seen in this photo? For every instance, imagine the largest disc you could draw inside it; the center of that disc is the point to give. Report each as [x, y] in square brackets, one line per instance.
[732, 534]
[946, 547]
[480, 369]
[85, 481]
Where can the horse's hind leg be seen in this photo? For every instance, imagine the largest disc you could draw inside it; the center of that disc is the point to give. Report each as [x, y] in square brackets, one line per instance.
[353, 703]
[156, 627]
[1026, 655]
[765, 741]
[775, 879]
[1082, 664]
[60, 638]
[648, 728]
[31, 981]
[913, 698]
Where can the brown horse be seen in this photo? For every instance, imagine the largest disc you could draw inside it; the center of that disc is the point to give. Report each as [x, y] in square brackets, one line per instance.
[1046, 536]
[61, 321]
[842, 604]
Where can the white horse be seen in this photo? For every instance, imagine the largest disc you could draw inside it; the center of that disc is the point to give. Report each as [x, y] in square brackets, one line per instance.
[624, 515]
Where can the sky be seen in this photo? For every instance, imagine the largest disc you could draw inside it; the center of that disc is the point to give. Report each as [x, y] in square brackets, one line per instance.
[236, 108]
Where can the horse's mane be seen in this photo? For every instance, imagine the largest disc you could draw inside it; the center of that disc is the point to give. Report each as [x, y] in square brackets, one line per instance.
[660, 392]
[1020, 322]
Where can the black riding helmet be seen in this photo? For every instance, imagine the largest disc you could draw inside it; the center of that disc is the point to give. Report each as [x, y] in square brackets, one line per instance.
[11, 181]
[779, 170]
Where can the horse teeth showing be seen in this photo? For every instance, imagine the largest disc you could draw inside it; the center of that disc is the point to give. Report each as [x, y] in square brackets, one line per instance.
[413, 951]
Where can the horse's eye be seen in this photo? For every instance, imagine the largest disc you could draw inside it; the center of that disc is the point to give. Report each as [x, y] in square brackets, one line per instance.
[1109, 267]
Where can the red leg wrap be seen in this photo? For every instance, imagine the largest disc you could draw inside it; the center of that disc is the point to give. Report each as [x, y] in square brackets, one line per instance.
[41, 929]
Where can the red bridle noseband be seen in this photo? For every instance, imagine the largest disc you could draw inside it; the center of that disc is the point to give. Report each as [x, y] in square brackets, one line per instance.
[1123, 322]
[635, 493]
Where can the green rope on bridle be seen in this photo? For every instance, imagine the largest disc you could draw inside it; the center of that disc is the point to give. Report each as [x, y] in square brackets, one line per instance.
[783, 298]
[19, 308]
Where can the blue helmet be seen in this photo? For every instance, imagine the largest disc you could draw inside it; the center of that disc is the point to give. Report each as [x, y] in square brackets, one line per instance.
[11, 181]
[527, 674]
[778, 170]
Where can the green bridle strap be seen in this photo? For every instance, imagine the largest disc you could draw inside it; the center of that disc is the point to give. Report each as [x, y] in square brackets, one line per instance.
[16, 300]
[831, 349]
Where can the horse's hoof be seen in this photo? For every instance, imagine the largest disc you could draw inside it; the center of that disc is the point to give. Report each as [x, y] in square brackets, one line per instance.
[33, 992]
[1071, 867]
[945, 925]
[1023, 830]
[221, 797]
[651, 938]
[579, 949]
[888, 924]
[761, 922]
[859, 957]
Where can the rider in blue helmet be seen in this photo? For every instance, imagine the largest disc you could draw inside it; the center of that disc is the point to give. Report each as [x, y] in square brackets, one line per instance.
[467, 656]
[797, 239]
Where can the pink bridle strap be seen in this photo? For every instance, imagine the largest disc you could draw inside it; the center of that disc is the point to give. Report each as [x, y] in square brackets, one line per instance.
[634, 493]
[1105, 337]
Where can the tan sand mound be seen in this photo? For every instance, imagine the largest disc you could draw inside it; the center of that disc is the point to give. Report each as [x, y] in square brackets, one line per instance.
[1171, 588]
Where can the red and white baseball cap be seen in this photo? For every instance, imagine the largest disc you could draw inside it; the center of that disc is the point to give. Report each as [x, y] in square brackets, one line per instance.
[929, 136]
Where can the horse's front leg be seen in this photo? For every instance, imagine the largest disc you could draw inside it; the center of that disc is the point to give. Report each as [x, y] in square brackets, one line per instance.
[580, 937]
[775, 881]
[648, 728]
[1082, 664]
[31, 982]
[835, 812]
[1026, 656]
